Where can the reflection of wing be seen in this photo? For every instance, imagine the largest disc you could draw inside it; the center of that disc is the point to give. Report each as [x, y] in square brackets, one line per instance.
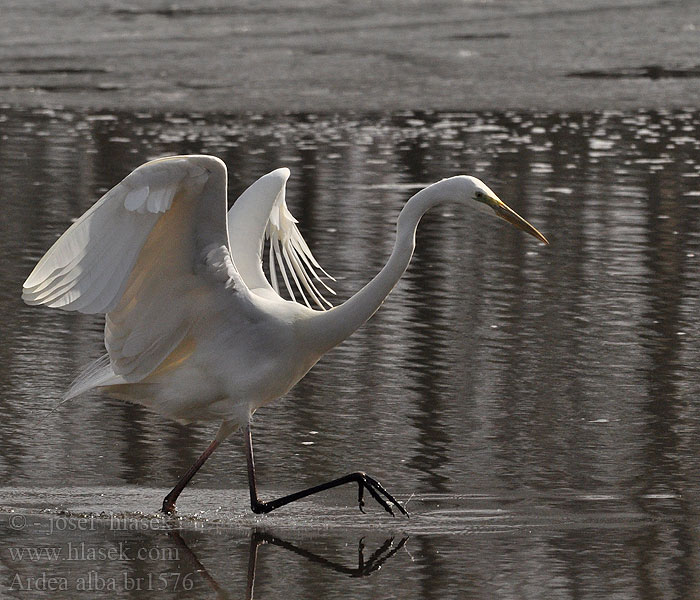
[261, 213]
[140, 254]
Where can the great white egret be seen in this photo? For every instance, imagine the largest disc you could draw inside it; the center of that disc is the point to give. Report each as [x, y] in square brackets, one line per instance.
[193, 328]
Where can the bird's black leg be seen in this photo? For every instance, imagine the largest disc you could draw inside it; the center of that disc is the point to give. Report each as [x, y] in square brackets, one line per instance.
[171, 498]
[363, 481]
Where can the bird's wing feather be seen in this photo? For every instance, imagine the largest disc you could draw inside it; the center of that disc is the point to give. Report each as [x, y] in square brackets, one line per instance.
[142, 254]
[261, 213]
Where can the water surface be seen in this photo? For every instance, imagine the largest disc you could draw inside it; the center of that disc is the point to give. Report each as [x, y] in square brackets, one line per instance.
[536, 407]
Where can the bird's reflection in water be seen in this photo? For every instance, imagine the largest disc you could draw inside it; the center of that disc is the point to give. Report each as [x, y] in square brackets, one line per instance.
[259, 537]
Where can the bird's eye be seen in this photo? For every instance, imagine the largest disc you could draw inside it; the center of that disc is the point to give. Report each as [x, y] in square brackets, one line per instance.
[479, 195]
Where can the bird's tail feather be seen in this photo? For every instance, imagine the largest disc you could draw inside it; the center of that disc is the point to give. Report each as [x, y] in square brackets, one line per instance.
[97, 373]
[100, 374]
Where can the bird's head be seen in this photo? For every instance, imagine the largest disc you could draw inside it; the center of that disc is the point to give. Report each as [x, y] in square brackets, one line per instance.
[484, 199]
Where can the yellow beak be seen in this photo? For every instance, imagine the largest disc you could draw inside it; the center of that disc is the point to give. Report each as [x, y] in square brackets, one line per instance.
[508, 214]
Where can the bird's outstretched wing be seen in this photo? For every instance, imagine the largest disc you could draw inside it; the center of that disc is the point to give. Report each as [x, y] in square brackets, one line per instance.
[261, 213]
[141, 254]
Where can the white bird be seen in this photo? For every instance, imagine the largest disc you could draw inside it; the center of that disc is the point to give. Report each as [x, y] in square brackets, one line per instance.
[193, 329]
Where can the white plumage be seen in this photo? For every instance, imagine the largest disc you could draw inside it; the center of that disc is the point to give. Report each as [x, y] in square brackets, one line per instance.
[193, 328]
[151, 253]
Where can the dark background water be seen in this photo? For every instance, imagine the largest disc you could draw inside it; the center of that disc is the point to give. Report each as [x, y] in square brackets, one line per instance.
[536, 406]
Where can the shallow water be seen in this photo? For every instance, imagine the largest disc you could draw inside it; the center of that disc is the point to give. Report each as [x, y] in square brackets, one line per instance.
[536, 407]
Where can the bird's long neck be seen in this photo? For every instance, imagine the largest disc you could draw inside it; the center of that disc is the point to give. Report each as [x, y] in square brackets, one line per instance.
[333, 326]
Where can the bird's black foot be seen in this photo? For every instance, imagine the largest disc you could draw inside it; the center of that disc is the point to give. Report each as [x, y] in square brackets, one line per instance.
[261, 508]
[363, 481]
[168, 506]
[377, 491]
